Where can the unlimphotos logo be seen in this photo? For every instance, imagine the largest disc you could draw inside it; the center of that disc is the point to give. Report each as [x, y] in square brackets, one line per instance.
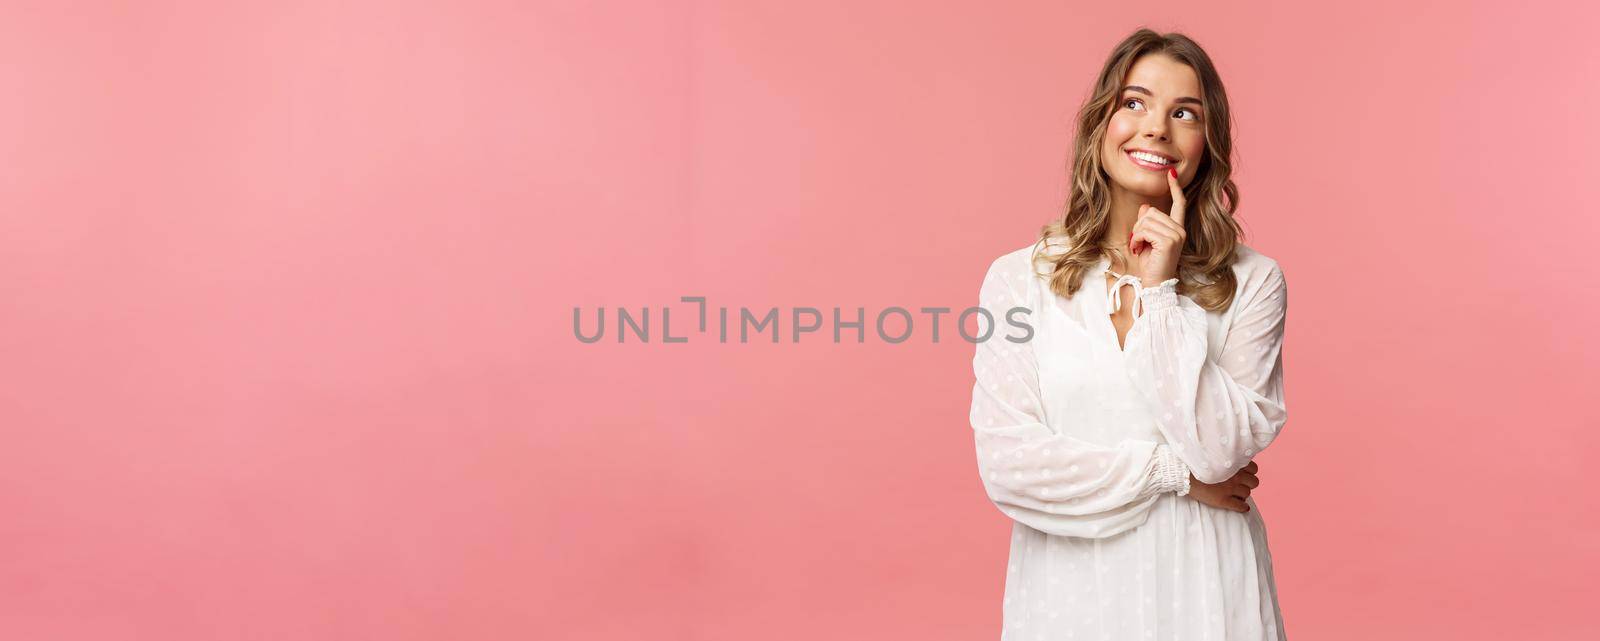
[802, 321]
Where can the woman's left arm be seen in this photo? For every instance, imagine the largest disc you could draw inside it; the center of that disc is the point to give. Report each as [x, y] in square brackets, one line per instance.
[1216, 415]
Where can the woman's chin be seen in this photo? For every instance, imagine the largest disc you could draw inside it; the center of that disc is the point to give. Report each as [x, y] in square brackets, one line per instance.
[1154, 189]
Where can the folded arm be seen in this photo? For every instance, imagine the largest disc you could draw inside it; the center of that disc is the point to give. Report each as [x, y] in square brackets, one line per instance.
[1216, 414]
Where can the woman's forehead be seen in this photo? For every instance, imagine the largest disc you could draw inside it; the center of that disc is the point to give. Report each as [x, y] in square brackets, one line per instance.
[1163, 76]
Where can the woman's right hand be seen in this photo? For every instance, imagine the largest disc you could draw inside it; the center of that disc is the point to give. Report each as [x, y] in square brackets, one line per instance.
[1229, 494]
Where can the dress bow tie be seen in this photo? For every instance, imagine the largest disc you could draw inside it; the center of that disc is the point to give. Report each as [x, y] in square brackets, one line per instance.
[1114, 295]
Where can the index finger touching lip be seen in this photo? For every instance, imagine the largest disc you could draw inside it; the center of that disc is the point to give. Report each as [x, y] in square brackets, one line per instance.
[1177, 196]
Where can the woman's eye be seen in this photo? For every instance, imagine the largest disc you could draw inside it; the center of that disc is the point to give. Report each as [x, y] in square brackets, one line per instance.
[1185, 114]
[1131, 103]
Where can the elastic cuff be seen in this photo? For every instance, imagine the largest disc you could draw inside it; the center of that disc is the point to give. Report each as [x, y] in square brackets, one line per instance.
[1171, 473]
[1161, 296]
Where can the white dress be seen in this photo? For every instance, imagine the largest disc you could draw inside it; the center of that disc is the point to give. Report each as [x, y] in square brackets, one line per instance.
[1088, 449]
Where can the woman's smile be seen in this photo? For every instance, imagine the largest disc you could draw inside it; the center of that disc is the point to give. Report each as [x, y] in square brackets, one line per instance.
[1151, 160]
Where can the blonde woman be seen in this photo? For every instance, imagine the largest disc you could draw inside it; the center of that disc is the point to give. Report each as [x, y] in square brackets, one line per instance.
[1118, 433]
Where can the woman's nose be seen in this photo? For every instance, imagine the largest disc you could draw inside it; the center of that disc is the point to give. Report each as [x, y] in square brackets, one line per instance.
[1156, 128]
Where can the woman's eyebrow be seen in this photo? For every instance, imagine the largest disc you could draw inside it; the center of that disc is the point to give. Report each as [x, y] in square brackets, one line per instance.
[1146, 92]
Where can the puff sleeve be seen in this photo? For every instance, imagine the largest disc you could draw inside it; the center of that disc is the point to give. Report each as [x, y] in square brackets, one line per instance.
[1216, 414]
[1031, 469]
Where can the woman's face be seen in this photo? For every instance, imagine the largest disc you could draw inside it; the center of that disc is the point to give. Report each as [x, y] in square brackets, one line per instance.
[1157, 123]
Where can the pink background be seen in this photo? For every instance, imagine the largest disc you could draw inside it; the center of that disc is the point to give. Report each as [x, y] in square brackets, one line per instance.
[288, 295]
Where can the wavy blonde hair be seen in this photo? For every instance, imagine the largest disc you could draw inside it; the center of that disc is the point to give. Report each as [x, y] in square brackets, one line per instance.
[1205, 271]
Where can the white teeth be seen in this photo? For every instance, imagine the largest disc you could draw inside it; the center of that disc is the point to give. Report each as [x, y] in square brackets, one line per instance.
[1151, 158]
